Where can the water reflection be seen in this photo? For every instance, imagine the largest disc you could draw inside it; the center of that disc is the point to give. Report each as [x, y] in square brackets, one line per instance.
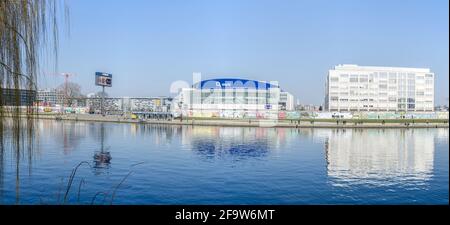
[18, 143]
[68, 133]
[379, 157]
[302, 162]
[161, 134]
[102, 158]
[218, 142]
[236, 143]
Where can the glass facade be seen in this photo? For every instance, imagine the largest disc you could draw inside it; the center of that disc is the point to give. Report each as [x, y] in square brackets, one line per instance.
[20, 97]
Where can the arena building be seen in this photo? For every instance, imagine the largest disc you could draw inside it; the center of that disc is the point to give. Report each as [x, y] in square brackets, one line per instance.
[233, 98]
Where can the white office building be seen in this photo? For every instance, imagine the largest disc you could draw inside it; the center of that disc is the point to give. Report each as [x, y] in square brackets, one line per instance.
[50, 97]
[370, 88]
[286, 101]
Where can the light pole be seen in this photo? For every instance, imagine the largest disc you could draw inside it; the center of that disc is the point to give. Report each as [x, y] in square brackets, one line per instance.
[103, 99]
[103, 79]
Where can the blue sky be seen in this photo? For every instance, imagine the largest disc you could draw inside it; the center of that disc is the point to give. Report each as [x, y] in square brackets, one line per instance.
[147, 45]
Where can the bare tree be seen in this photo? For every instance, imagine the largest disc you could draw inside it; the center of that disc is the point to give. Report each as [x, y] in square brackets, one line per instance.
[71, 92]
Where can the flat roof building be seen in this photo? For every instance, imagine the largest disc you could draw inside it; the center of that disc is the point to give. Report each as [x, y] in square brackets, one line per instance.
[371, 88]
[17, 97]
[50, 97]
[233, 97]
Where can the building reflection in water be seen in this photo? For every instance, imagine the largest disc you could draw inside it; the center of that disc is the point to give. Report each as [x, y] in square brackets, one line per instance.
[383, 157]
[69, 133]
[380, 156]
[216, 142]
[160, 134]
[236, 143]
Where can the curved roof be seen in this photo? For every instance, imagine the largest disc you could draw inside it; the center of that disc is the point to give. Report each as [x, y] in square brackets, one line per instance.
[233, 83]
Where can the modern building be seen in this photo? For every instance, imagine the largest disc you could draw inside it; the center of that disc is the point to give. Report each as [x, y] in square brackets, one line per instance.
[370, 88]
[286, 101]
[232, 97]
[129, 104]
[17, 97]
[50, 97]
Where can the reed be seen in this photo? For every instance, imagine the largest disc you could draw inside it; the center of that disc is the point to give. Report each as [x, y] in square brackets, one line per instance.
[71, 177]
[111, 193]
[117, 186]
[79, 189]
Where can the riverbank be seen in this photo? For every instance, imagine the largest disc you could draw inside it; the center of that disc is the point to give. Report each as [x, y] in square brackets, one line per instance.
[303, 123]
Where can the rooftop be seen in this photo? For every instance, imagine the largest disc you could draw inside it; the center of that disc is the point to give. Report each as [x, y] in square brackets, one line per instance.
[380, 68]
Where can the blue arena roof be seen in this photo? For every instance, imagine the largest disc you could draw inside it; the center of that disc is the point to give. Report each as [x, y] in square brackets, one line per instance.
[233, 83]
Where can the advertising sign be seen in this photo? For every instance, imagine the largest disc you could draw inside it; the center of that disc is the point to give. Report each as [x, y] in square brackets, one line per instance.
[103, 79]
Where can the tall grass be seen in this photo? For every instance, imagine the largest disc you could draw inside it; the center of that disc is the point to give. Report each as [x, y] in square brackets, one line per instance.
[111, 194]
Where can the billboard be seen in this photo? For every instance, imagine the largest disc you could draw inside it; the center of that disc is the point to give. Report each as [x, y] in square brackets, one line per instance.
[103, 79]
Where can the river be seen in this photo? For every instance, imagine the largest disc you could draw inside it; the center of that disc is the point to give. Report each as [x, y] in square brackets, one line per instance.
[171, 164]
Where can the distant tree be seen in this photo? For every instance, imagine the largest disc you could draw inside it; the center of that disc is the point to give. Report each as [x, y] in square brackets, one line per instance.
[70, 93]
[320, 108]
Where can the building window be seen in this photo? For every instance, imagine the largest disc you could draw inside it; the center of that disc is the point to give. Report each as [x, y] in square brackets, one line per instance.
[383, 75]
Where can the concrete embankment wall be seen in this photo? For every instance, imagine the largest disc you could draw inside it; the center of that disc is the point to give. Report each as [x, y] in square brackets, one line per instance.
[241, 123]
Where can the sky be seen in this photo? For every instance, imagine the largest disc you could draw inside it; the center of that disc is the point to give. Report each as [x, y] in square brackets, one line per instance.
[147, 45]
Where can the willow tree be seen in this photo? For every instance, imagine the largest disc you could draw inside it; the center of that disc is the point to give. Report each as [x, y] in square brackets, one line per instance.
[28, 31]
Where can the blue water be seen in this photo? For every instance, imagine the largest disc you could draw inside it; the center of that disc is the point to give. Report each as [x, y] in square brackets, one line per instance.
[225, 165]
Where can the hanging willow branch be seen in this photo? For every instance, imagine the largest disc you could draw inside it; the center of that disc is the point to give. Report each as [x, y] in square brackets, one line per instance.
[28, 29]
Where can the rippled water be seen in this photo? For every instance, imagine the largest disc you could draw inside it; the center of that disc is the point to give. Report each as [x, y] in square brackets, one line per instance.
[225, 165]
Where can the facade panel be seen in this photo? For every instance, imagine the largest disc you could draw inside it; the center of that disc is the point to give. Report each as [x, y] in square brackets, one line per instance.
[367, 88]
[234, 97]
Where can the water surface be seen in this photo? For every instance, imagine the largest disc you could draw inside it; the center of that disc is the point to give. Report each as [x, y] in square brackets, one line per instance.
[224, 165]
